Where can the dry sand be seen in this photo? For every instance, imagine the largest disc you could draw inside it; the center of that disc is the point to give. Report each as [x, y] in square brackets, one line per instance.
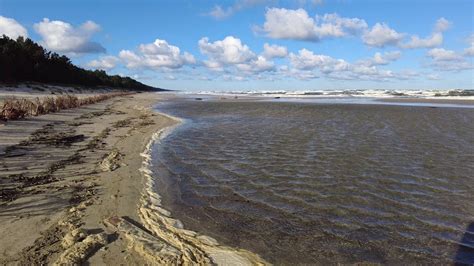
[75, 188]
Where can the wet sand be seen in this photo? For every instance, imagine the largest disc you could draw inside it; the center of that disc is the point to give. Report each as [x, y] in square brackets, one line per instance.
[73, 190]
[429, 100]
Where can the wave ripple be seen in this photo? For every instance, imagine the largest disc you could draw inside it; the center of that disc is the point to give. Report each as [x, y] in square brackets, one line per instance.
[312, 183]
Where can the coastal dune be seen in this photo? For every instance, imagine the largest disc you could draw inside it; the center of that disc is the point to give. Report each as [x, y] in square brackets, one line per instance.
[75, 187]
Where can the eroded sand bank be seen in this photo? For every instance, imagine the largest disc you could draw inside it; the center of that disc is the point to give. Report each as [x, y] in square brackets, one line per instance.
[75, 187]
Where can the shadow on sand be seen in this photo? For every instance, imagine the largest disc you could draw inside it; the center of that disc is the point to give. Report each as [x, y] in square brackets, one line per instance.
[465, 252]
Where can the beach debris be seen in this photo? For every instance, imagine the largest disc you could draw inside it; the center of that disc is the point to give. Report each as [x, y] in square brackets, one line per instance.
[110, 162]
[78, 252]
[73, 237]
[150, 247]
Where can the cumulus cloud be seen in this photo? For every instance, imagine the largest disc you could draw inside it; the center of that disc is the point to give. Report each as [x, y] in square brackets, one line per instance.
[272, 51]
[332, 25]
[435, 39]
[156, 55]
[257, 65]
[469, 51]
[306, 60]
[230, 50]
[441, 54]
[230, 55]
[104, 63]
[382, 59]
[62, 37]
[381, 35]
[448, 60]
[442, 25]
[297, 24]
[299, 74]
[219, 12]
[281, 23]
[305, 63]
[11, 28]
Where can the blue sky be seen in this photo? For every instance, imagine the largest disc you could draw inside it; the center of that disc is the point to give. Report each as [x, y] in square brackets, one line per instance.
[219, 45]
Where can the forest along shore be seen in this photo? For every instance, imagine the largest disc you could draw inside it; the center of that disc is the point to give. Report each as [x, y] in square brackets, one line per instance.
[62, 174]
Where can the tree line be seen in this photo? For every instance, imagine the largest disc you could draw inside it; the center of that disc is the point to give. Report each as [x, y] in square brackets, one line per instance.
[24, 60]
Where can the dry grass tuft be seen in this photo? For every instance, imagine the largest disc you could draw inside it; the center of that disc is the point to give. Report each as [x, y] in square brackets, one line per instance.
[13, 108]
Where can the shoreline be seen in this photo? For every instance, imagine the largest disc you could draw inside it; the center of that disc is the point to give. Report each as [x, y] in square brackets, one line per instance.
[97, 206]
[192, 247]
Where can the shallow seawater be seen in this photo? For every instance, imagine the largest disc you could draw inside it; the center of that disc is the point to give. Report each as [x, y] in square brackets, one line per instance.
[323, 183]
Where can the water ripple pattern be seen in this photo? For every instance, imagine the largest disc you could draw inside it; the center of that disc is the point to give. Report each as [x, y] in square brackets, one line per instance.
[324, 183]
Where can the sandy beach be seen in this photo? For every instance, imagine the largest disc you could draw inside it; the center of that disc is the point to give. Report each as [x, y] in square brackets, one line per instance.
[75, 188]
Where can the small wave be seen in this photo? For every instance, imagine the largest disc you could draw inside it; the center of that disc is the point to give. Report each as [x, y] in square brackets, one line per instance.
[456, 93]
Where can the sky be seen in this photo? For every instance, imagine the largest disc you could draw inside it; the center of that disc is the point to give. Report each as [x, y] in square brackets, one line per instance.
[247, 45]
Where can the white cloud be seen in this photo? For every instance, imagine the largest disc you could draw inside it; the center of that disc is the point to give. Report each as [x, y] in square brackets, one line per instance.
[219, 12]
[12, 28]
[157, 55]
[130, 58]
[381, 35]
[305, 63]
[435, 39]
[433, 77]
[213, 65]
[230, 50]
[272, 51]
[296, 24]
[469, 51]
[332, 25]
[281, 23]
[231, 56]
[105, 63]
[297, 73]
[306, 60]
[440, 54]
[257, 65]
[455, 66]
[448, 60]
[381, 59]
[442, 25]
[62, 37]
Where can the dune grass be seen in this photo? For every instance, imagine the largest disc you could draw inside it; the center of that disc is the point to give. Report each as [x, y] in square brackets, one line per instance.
[18, 108]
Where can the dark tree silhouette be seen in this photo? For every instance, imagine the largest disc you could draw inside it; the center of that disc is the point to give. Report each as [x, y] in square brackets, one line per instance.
[24, 60]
